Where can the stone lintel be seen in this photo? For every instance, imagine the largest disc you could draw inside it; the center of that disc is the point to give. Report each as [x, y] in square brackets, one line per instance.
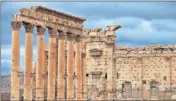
[39, 22]
[15, 25]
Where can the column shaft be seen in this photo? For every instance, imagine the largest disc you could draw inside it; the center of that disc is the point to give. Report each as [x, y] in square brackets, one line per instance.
[51, 65]
[34, 81]
[70, 70]
[15, 60]
[78, 65]
[40, 69]
[28, 62]
[61, 70]
[84, 81]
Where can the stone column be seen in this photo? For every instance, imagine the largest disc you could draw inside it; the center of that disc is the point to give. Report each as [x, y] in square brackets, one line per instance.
[40, 69]
[61, 67]
[84, 78]
[51, 65]
[28, 61]
[70, 67]
[78, 65]
[34, 81]
[15, 60]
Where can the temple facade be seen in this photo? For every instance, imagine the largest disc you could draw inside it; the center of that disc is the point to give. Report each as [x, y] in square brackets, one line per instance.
[85, 63]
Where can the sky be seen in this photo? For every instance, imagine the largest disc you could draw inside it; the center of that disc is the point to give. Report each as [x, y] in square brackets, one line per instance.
[143, 23]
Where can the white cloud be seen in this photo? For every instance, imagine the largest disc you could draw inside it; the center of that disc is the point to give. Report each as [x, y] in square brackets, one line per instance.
[145, 26]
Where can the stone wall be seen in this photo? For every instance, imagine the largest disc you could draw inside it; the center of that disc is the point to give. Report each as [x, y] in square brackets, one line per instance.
[149, 70]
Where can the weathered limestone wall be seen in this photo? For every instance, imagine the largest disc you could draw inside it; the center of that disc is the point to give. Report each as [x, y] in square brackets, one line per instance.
[148, 70]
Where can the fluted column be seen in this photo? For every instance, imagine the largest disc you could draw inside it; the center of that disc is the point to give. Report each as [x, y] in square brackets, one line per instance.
[70, 67]
[51, 65]
[78, 65]
[40, 69]
[61, 67]
[15, 60]
[28, 61]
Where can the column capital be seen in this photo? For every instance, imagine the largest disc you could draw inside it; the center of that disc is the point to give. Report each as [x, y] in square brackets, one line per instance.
[52, 32]
[40, 30]
[28, 27]
[62, 35]
[15, 25]
[78, 38]
[71, 36]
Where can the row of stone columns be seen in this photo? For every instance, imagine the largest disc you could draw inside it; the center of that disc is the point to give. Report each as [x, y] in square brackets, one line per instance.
[51, 64]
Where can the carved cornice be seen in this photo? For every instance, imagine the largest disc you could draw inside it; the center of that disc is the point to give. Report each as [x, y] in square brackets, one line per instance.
[16, 25]
[40, 30]
[52, 32]
[28, 27]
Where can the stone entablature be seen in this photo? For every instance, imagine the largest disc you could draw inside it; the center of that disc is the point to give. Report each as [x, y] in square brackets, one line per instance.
[41, 16]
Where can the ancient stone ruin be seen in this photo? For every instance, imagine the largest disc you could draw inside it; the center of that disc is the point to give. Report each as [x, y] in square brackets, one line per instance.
[85, 64]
